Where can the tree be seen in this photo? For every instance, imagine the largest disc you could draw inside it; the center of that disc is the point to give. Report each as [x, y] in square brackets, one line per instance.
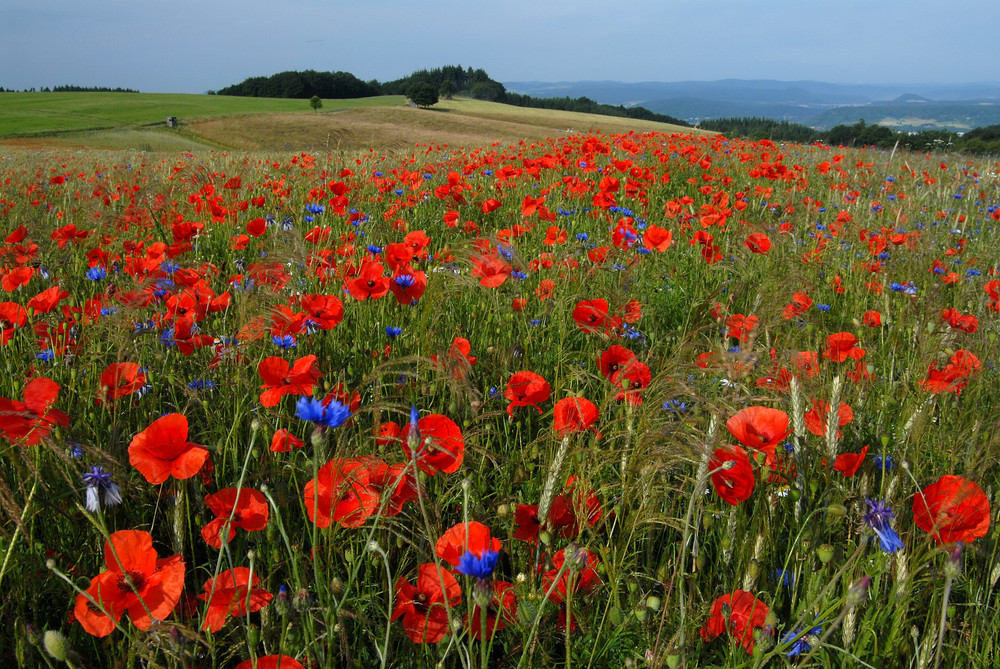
[447, 89]
[315, 102]
[422, 94]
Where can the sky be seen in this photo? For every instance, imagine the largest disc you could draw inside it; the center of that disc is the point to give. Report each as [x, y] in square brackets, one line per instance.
[193, 46]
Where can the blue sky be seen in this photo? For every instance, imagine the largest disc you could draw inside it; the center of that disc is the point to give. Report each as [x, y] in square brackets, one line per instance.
[191, 46]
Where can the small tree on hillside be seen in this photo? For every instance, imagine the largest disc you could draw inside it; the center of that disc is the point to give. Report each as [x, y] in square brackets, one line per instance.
[315, 102]
[447, 89]
[422, 94]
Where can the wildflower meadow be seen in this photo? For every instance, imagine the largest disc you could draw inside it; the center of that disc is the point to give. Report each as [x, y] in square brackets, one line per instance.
[634, 400]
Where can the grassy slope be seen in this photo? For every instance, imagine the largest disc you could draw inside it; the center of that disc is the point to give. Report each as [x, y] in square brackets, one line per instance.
[36, 114]
[126, 121]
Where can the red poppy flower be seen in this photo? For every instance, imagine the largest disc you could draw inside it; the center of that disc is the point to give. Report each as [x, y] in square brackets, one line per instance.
[387, 433]
[282, 379]
[370, 282]
[849, 463]
[284, 441]
[408, 285]
[12, 317]
[953, 509]
[591, 315]
[120, 379]
[633, 380]
[574, 414]
[741, 326]
[526, 389]
[759, 428]
[733, 485]
[249, 511]
[45, 301]
[162, 450]
[842, 345]
[28, 422]
[758, 242]
[745, 613]
[817, 417]
[342, 492]
[656, 238]
[422, 607]
[491, 270]
[271, 662]
[136, 582]
[799, 305]
[872, 319]
[966, 323]
[17, 277]
[580, 576]
[186, 335]
[614, 361]
[323, 312]
[472, 537]
[441, 447]
[500, 612]
[459, 360]
[397, 478]
[545, 289]
[954, 376]
[232, 593]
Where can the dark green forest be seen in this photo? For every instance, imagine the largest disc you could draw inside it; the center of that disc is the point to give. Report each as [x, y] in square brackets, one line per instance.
[985, 140]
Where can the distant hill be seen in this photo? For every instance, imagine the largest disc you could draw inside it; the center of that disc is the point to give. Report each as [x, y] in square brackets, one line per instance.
[816, 104]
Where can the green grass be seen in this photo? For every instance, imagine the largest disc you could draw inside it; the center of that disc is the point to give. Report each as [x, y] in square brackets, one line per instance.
[39, 114]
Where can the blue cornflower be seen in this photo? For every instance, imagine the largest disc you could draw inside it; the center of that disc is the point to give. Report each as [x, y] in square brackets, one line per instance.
[333, 414]
[96, 273]
[201, 384]
[883, 462]
[878, 519]
[518, 274]
[804, 643]
[676, 406]
[783, 577]
[98, 480]
[823, 307]
[374, 249]
[582, 236]
[167, 338]
[404, 280]
[46, 355]
[284, 341]
[393, 331]
[479, 567]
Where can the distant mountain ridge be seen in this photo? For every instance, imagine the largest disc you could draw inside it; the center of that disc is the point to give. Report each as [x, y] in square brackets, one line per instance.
[817, 104]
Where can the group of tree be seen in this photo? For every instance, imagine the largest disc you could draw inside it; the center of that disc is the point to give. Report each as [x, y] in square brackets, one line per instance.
[425, 88]
[71, 89]
[305, 85]
[984, 140]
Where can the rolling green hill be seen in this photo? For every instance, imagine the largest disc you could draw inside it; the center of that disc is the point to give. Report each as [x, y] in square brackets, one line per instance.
[42, 114]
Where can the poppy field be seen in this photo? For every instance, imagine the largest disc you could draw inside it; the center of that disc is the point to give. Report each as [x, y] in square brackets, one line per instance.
[599, 400]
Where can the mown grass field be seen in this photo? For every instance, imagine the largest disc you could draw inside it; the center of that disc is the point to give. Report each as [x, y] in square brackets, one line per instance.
[599, 399]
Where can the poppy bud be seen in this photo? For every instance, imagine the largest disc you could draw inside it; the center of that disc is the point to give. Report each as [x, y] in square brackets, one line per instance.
[836, 511]
[253, 636]
[55, 645]
[673, 659]
[653, 603]
[825, 553]
[640, 614]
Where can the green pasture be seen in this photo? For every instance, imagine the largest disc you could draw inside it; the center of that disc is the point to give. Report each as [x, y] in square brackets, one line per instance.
[40, 114]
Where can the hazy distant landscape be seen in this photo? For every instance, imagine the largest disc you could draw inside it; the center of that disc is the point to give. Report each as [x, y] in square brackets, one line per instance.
[817, 104]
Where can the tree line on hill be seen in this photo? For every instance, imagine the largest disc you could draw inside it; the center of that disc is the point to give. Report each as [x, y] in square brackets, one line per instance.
[71, 89]
[428, 86]
[984, 140]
